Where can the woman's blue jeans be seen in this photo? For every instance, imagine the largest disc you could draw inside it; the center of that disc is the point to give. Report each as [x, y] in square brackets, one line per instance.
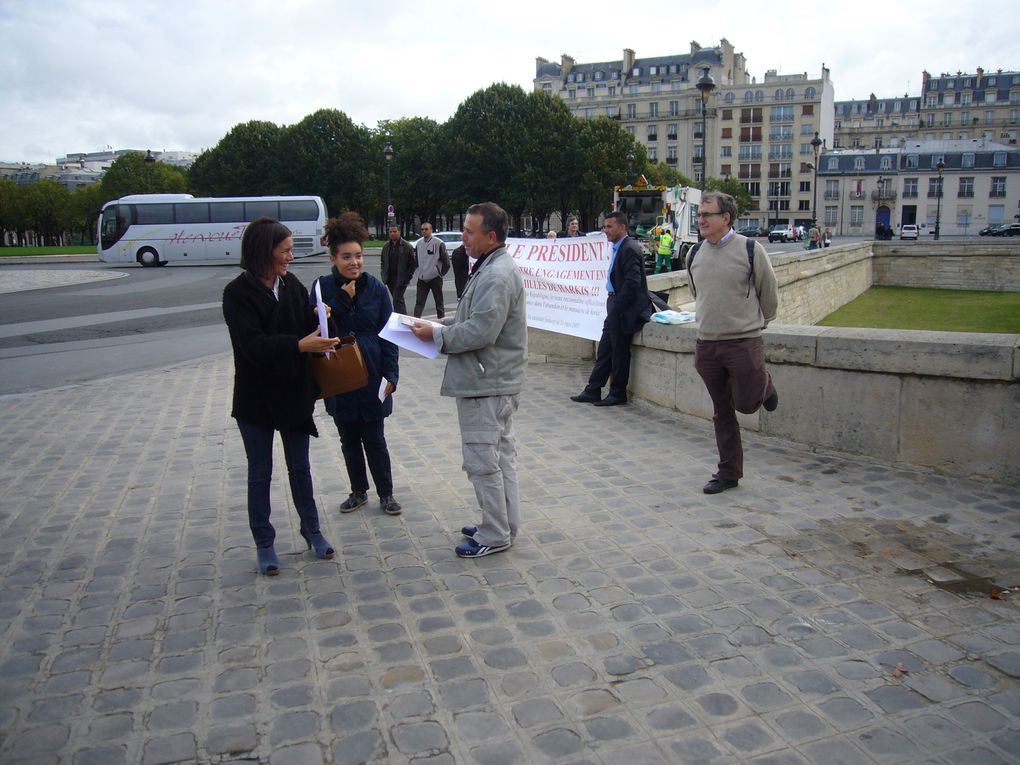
[258, 445]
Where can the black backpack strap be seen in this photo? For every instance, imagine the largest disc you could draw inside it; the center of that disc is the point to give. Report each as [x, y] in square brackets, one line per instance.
[750, 262]
[690, 259]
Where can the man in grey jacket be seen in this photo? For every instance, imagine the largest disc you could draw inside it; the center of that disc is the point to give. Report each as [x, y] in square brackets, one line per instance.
[486, 344]
[433, 262]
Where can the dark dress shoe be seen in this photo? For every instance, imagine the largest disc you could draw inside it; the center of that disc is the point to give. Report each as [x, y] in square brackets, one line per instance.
[612, 401]
[584, 397]
[718, 485]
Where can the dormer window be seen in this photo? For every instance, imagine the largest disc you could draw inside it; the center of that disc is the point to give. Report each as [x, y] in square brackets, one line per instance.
[858, 163]
[636, 71]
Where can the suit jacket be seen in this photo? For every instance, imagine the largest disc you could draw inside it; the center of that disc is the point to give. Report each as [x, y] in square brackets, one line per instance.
[631, 308]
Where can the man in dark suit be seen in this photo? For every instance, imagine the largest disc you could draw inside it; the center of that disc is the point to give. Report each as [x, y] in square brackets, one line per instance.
[627, 310]
[396, 267]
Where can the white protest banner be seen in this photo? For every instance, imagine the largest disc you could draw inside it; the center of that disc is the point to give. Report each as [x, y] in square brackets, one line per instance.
[565, 282]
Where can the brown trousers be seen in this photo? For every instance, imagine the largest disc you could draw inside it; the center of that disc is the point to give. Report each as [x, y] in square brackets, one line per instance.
[737, 380]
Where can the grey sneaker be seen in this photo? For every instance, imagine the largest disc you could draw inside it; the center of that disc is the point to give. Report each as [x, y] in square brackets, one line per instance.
[354, 501]
[390, 505]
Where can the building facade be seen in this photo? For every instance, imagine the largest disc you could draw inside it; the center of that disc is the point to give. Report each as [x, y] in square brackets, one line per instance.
[757, 132]
[864, 189]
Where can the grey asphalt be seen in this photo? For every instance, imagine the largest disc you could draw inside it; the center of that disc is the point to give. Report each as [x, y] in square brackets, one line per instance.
[828, 610]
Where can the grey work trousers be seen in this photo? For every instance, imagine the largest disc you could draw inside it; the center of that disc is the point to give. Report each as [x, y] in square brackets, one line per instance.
[490, 461]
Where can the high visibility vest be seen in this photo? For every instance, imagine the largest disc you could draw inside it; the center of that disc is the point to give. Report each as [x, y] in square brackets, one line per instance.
[665, 244]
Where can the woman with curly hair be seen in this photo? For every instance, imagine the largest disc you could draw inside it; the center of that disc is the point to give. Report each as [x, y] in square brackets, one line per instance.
[361, 305]
[272, 333]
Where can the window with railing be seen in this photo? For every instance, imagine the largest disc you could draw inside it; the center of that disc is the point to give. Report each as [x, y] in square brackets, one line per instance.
[781, 114]
[998, 188]
[781, 151]
[779, 189]
[966, 187]
[910, 188]
[831, 189]
[830, 215]
[671, 131]
[750, 116]
[750, 152]
[856, 215]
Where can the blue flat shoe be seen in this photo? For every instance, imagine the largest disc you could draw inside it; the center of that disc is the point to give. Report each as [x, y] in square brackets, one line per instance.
[316, 541]
[269, 564]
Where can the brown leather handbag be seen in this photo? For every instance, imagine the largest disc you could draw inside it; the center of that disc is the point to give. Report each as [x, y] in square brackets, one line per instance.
[343, 371]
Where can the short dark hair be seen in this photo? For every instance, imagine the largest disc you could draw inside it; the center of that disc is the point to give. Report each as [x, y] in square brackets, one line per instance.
[726, 203]
[258, 241]
[349, 227]
[619, 216]
[573, 218]
[494, 218]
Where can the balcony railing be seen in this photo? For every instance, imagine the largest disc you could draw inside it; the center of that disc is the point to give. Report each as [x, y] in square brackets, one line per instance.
[670, 160]
[857, 195]
[880, 194]
[830, 195]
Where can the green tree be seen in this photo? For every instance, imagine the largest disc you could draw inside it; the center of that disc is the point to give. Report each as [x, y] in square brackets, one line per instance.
[661, 174]
[420, 188]
[551, 165]
[8, 208]
[245, 163]
[131, 174]
[735, 189]
[85, 206]
[326, 154]
[605, 146]
[485, 147]
[46, 205]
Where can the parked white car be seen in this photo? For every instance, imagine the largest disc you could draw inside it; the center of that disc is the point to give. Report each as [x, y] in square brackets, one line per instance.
[908, 231]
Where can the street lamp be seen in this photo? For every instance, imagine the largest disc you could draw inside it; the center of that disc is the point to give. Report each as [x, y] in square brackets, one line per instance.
[388, 156]
[816, 144]
[150, 162]
[630, 166]
[938, 198]
[705, 85]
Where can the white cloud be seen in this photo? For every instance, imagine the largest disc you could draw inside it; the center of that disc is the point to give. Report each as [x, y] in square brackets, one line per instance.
[145, 74]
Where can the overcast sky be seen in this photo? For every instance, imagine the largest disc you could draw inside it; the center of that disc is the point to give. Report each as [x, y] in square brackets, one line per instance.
[79, 75]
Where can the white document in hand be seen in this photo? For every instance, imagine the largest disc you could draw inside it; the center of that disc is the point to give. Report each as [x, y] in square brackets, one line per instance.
[321, 308]
[398, 332]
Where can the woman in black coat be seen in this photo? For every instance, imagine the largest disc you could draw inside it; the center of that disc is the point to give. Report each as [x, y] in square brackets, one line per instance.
[361, 306]
[272, 332]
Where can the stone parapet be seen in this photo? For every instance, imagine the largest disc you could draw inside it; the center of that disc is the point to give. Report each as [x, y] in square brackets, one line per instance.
[984, 264]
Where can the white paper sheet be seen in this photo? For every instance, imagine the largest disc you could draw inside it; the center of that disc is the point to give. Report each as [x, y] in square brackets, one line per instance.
[398, 332]
[321, 308]
[382, 389]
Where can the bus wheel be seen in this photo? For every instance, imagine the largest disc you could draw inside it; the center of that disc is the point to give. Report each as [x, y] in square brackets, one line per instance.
[679, 264]
[148, 257]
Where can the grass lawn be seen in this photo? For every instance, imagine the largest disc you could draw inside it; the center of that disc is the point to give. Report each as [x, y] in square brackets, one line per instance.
[930, 309]
[82, 249]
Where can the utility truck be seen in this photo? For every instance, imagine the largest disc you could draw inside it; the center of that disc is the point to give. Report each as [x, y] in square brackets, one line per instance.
[649, 208]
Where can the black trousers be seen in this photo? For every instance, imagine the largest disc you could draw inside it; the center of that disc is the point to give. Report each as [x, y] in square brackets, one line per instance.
[361, 439]
[435, 286]
[612, 362]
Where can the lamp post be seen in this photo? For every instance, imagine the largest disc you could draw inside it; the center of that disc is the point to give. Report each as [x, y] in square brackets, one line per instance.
[705, 86]
[630, 167]
[816, 144]
[938, 199]
[150, 162]
[388, 156]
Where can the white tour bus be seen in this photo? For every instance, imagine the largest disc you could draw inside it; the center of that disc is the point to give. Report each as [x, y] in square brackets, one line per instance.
[156, 228]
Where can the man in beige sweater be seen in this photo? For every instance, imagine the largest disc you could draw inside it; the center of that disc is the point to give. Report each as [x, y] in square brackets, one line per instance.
[733, 303]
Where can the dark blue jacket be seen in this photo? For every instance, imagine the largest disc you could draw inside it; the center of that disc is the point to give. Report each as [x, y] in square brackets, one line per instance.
[364, 316]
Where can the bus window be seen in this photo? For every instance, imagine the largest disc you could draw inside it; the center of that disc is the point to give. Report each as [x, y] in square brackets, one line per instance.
[191, 212]
[227, 212]
[115, 223]
[147, 214]
[253, 210]
[299, 209]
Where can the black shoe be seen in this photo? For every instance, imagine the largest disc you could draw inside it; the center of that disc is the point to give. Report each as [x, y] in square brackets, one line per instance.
[390, 505]
[354, 501]
[584, 397]
[771, 402]
[612, 401]
[718, 485]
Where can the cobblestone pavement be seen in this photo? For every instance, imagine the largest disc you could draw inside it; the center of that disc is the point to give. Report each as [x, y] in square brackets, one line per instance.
[636, 620]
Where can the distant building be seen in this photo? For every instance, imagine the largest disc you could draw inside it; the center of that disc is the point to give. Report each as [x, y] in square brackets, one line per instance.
[758, 133]
[862, 188]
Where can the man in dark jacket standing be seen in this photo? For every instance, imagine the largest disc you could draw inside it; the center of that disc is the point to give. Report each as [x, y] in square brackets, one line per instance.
[396, 267]
[627, 310]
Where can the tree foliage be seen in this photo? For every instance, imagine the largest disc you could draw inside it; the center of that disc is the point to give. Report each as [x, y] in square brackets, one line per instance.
[735, 189]
[245, 163]
[130, 174]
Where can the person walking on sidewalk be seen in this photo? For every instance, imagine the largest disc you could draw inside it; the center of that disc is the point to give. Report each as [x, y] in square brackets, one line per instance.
[486, 344]
[736, 296]
[272, 332]
[627, 309]
[432, 264]
[361, 306]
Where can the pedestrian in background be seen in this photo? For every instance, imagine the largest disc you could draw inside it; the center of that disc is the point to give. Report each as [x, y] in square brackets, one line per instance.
[361, 306]
[573, 226]
[432, 263]
[396, 264]
[272, 332]
[459, 261]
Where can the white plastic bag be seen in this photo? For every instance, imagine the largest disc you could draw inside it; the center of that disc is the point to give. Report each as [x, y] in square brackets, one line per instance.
[673, 317]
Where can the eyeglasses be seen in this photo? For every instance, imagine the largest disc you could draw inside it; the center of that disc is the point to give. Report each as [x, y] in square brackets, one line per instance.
[709, 214]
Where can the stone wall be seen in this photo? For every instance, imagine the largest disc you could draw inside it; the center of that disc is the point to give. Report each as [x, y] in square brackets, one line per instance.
[943, 400]
[948, 401]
